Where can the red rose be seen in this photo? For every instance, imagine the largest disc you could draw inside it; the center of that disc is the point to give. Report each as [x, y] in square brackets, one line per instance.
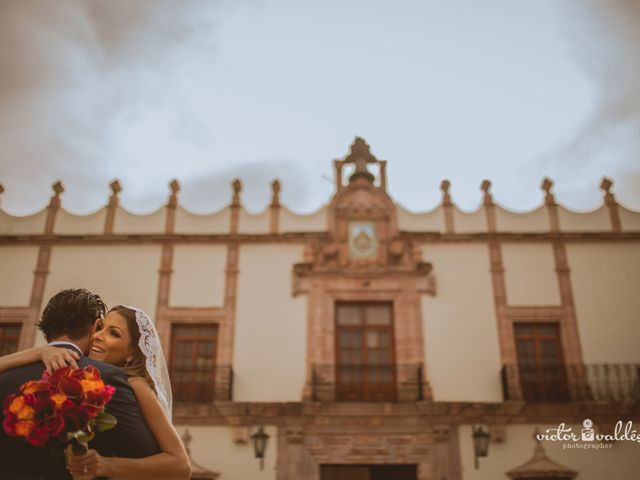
[72, 388]
[45, 409]
[93, 404]
[30, 399]
[74, 418]
[7, 402]
[9, 425]
[56, 376]
[54, 424]
[38, 436]
[107, 392]
[94, 398]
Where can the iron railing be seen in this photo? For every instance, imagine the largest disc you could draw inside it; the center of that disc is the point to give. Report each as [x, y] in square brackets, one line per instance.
[201, 385]
[564, 383]
[368, 383]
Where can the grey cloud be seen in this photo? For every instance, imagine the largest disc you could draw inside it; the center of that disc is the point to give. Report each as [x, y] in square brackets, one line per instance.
[209, 192]
[67, 75]
[606, 46]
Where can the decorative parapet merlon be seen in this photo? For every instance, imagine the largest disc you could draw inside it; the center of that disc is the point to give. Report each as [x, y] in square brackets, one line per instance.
[274, 208]
[235, 206]
[174, 185]
[611, 203]
[172, 206]
[112, 207]
[54, 206]
[447, 204]
[550, 202]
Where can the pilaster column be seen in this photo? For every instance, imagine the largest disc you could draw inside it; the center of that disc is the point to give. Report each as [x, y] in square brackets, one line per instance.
[166, 269]
[28, 332]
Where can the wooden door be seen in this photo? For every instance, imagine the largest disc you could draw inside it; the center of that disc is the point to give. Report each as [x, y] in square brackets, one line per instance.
[394, 472]
[540, 365]
[365, 363]
[368, 472]
[193, 356]
[344, 472]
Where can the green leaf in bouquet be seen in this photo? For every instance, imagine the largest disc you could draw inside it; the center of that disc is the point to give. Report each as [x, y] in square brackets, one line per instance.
[105, 421]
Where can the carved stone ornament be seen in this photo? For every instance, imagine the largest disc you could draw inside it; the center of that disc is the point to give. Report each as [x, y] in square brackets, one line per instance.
[363, 238]
[441, 433]
[294, 433]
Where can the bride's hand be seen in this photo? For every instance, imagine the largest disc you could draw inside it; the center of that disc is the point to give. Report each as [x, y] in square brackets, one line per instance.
[91, 464]
[55, 358]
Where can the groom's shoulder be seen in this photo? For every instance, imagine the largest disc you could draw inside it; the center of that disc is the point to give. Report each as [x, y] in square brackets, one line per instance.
[15, 376]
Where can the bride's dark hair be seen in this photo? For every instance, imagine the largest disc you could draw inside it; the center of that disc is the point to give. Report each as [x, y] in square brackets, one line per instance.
[137, 366]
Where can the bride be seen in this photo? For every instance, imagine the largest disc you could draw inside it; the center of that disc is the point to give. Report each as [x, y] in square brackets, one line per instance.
[126, 338]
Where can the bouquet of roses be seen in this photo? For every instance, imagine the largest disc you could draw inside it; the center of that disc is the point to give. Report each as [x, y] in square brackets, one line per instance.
[63, 409]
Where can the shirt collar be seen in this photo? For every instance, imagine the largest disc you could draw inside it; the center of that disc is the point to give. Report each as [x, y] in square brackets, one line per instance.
[54, 344]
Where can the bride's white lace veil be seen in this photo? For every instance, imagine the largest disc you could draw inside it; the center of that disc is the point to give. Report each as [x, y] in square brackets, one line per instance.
[155, 362]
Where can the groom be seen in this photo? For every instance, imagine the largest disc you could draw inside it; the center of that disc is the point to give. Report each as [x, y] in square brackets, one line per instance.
[68, 321]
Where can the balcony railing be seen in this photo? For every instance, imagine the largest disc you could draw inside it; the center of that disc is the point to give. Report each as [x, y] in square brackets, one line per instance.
[367, 383]
[564, 383]
[202, 385]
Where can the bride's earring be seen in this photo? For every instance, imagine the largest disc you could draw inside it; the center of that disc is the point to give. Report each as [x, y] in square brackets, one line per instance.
[128, 362]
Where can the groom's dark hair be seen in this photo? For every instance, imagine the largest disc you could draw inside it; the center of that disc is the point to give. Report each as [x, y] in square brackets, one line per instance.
[71, 313]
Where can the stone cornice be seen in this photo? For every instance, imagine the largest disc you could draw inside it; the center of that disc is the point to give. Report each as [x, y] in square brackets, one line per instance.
[389, 414]
[304, 237]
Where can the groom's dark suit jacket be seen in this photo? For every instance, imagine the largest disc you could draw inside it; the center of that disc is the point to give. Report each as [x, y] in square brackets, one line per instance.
[130, 438]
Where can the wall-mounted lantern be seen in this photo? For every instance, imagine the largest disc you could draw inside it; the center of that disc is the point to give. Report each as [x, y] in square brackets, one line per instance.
[259, 440]
[480, 443]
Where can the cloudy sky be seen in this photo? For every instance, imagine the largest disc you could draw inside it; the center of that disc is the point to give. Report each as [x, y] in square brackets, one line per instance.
[207, 91]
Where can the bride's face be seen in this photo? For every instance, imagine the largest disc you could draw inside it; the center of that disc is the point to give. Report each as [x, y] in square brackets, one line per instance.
[111, 341]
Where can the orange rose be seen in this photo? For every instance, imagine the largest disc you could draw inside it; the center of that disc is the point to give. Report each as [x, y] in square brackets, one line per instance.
[92, 385]
[59, 399]
[17, 404]
[24, 428]
[31, 387]
[90, 373]
[26, 413]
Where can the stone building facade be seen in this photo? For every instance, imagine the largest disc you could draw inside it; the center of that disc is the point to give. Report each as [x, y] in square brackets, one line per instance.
[368, 340]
